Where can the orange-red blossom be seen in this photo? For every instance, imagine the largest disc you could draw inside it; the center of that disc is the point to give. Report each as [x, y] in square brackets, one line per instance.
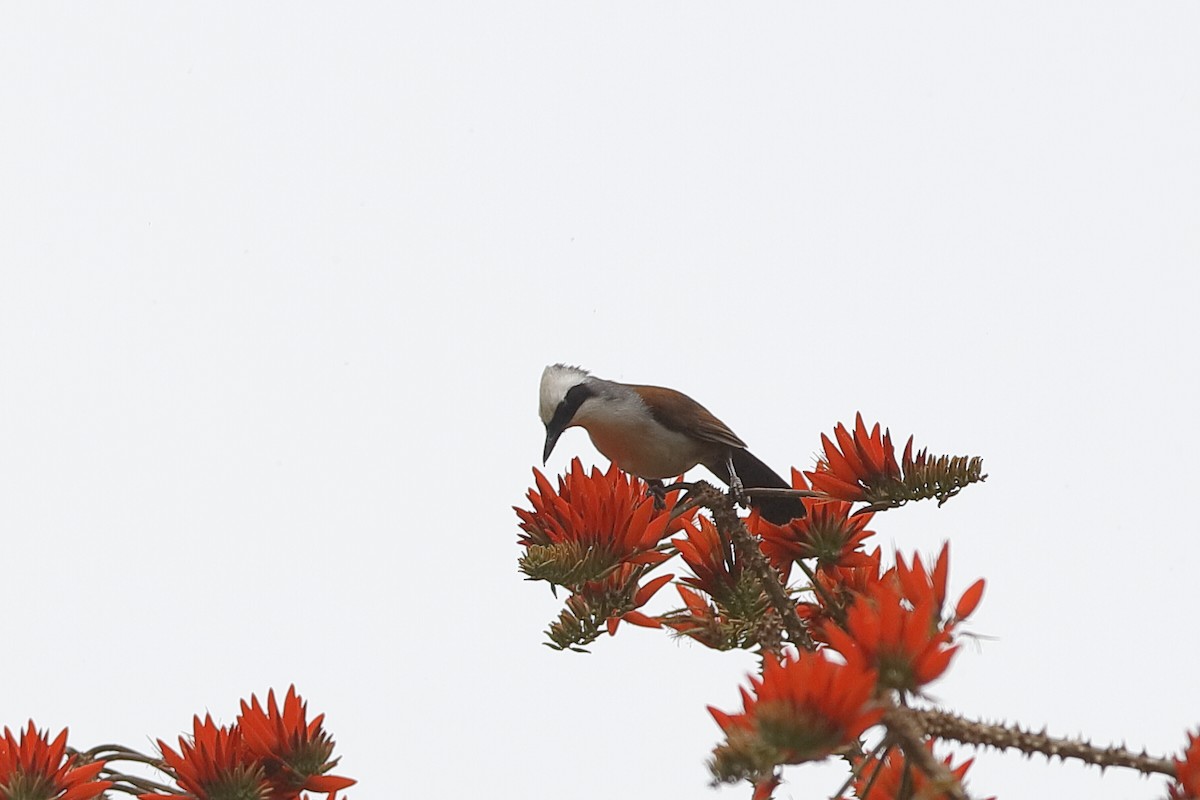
[802, 709]
[828, 533]
[34, 768]
[608, 512]
[896, 627]
[270, 753]
[295, 753]
[858, 463]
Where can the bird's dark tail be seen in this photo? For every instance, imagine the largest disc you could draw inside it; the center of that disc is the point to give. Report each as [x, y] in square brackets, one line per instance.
[755, 474]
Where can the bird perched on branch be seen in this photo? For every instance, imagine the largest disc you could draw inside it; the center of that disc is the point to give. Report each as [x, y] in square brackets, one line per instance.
[656, 433]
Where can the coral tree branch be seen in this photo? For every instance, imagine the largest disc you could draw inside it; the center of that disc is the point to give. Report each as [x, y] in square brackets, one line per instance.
[946, 725]
[727, 521]
[905, 729]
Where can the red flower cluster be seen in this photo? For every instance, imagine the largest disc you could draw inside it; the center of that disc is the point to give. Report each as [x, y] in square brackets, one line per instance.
[34, 768]
[607, 512]
[836, 589]
[896, 626]
[801, 709]
[701, 620]
[270, 753]
[710, 559]
[717, 572]
[620, 586]
[597, 534]
[862, 466]
[865, 461]
[827, 533]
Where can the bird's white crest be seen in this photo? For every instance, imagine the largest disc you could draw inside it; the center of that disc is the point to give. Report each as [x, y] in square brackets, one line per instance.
[557, 380]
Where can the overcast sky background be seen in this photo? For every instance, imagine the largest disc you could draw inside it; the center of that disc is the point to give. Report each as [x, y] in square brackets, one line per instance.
[279, 281]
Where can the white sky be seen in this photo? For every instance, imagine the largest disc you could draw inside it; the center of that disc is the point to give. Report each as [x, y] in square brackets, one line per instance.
[279, 282]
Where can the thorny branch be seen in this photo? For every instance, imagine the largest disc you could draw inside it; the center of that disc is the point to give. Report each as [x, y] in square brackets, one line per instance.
[946, 725]
[908, 734]
[726, 518]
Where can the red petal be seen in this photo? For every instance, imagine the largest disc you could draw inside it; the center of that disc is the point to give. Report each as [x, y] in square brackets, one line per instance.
[638, 618]
[969, 600]
[836, 487]
[647, 591]
[843, 461]
[86, 791]
[328, 783]
[694, 602]
[940, 572]
[653, 558]
[934, 664]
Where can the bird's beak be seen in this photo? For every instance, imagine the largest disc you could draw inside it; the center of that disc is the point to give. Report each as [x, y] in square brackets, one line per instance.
[552, 434]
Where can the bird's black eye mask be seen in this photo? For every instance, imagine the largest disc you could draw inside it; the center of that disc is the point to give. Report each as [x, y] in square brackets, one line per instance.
[569, 405]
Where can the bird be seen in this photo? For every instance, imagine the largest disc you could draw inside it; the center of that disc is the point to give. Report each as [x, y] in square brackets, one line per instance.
[654, 432]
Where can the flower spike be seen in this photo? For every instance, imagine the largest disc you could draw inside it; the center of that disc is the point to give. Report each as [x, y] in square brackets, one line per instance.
[862, 467]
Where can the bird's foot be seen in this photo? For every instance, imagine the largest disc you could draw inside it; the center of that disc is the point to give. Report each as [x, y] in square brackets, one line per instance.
[736, 489]
[655, 489]
[659, 492]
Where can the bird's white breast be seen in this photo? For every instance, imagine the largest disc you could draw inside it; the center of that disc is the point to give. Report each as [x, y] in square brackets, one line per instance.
[628, 435]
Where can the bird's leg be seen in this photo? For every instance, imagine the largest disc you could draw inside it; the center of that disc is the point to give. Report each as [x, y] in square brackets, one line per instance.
[654, 488]
[659, 492]
[735, 483]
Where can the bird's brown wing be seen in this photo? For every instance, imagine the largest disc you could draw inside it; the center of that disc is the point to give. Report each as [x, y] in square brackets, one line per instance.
[678, 412]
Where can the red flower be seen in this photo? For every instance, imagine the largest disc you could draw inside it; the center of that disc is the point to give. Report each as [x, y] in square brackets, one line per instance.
[700, 620]
[1187, 772]
[213, 765]
[894, 779]
[591, 523]
[709, 558]
[294, 753]
[34, 768]
[827, 533]
[904, 644]
[735, 617]
[801, 709]
[864, 462]
[918, 585]
[862, 467]
[619, 591]
[896, 626]
[838, 588]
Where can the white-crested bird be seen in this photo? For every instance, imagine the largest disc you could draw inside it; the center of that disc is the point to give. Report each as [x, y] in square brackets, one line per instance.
[654, 433]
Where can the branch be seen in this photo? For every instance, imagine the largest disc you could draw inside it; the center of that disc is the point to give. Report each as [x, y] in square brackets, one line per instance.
[904, 727]
[762, 491]
[113, 752]
[946, 725]
[132, 784]
[727, 521]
